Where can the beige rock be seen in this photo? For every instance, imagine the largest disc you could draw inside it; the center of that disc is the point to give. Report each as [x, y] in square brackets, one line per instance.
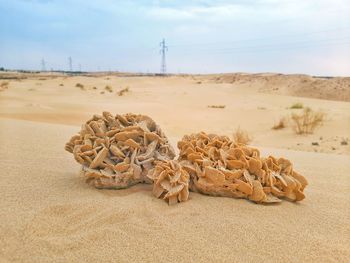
[114, 152]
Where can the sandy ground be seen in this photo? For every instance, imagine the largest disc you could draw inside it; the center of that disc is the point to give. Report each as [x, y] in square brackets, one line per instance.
[49, 214]
[180, 105]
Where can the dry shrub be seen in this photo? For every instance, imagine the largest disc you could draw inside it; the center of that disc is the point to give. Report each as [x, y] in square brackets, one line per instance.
[282, 123]
[61, 85]
[79, 85]
[297, 106]
[109, 88]
[217, 106]
[94, 88]
[307, 121]
[241, 136]
[4, 84]
[123, 91]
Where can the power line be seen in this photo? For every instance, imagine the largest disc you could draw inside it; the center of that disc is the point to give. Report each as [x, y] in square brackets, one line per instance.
[43, 66]
[70, 64]
[163, 49]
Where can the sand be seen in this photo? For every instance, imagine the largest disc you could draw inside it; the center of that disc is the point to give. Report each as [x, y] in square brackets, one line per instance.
[49, 214]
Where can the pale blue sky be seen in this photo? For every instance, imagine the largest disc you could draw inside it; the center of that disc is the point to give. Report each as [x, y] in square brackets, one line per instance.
[291, 36]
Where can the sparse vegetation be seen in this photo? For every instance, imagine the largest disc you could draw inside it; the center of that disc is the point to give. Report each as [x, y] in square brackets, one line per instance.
[307, 121]
[4, 84]
[241, 136]
[109, 88]
[102, 92]
[282, 123]
[344, 141]
[79, 85]
[217, 106]
[61, 85]
[123, 91]
[297, 105]
[94, 88]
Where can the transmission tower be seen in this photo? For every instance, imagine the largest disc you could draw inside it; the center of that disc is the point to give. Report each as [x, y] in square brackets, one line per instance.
[70, 64]
[43, 66]
[163, 49]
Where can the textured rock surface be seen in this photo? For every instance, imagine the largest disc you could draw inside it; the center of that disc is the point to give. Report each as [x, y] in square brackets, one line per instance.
[170, 181]
[219, 167]
[118, 151]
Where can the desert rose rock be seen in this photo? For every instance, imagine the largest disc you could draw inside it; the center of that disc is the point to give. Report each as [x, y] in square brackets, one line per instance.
[118, 151]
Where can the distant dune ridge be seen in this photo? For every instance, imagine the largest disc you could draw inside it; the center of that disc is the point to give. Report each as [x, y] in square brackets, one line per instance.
[329, 88]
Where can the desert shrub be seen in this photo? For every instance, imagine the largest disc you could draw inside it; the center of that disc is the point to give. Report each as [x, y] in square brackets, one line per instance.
[61, 85]
[281, 124]
[79, 85]
[216, 106]
[241, 136]
[94, 88]
[109, 88]
[123, 91]
[297, 105]
[4, 84]
[307, 121]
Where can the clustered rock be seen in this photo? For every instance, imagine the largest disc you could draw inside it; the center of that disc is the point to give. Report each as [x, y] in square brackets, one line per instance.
[170, 181]
[217, 166]
[118, 151]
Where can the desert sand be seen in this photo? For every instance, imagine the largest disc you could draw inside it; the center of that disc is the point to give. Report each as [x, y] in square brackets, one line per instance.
[49, 214]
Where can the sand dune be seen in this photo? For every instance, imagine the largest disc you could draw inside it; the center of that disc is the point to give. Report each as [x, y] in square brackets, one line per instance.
[49, 214]
[330, 88]
[180, 105]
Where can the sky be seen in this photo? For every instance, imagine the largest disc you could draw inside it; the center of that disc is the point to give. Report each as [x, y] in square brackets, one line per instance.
[285, 36]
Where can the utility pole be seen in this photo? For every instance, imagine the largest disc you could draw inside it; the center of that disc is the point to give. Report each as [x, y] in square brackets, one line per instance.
[43, 66]
[70, 64]
[163, 49]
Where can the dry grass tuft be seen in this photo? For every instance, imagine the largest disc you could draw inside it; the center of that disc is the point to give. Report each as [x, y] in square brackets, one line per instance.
[297, 105]
[241, 137]
[79, 85]
[217, 106]
[109, 88]
[282, 123]
[61, 85]
[94, 88]
[307, 121]
[4, 84]
[123, 91]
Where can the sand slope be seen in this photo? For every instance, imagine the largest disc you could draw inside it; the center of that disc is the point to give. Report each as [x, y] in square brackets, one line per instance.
[330, 88]
[180, 105]
[48, 213]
